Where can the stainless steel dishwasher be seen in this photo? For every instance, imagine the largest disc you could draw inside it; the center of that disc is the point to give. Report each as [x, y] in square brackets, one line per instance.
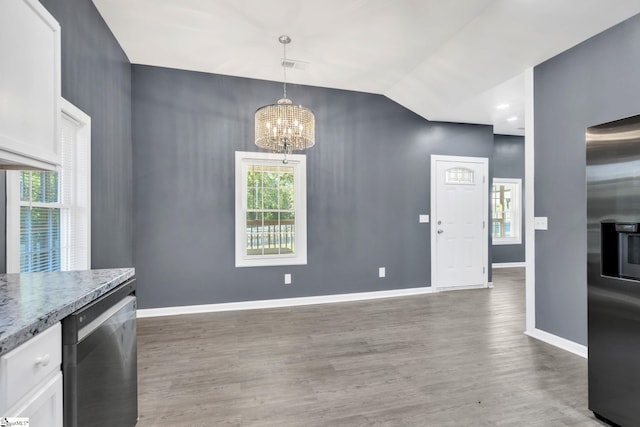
[99, 361]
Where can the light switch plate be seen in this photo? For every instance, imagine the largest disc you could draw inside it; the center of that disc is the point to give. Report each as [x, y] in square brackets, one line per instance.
[423, 219]
[540, 223]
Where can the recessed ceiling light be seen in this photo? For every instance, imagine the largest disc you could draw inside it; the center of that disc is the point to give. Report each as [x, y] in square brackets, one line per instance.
[502, 106]
[512, 119]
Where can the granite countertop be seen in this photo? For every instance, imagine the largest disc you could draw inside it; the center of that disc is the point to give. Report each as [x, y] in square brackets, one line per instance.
[32, 302]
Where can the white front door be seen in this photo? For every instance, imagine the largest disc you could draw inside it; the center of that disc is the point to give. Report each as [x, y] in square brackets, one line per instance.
[459, 217]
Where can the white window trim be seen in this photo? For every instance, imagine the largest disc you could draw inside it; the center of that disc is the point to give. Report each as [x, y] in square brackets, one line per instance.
[299, 161]
[517, 219]
[13, 221]
[13, 196]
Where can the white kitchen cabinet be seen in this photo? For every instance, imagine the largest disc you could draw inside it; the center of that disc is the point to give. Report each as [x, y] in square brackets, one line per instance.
[31, 380]
[44, 408]
[29, 86]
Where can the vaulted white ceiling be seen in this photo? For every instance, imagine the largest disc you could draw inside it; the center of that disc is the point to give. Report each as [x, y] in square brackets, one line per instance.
[454, 60]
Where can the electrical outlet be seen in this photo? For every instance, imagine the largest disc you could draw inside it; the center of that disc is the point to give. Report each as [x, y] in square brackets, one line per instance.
[423, 219]
[287, 279]
[382, 272]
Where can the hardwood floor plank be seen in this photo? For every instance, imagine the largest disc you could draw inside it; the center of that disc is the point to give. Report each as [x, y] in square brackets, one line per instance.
[455, 358]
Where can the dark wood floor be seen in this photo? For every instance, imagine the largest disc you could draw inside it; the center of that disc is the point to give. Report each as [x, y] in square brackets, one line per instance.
[448, 359]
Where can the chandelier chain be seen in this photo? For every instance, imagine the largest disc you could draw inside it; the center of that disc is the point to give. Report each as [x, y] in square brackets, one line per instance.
[284, 69]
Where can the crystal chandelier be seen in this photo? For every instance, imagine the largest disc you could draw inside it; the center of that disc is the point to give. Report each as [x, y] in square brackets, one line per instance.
[284, 127]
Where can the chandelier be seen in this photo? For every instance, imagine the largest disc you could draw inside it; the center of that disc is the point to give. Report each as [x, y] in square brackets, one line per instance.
[284, 127]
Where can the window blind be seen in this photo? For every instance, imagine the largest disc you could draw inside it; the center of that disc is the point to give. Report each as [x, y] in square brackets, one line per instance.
[39, 239]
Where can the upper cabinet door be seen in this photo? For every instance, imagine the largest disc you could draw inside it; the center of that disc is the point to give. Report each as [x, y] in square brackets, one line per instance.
[29, 86]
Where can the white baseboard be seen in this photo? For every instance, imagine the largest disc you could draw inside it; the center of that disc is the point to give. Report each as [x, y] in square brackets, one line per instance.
[508, 264]
[564, 344]
[274, 303]
[463, 288]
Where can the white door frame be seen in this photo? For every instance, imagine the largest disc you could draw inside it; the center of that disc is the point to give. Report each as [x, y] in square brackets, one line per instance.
[485, 209]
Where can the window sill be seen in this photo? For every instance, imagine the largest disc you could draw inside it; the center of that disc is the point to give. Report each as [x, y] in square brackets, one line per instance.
[270, 262]
[506, 242]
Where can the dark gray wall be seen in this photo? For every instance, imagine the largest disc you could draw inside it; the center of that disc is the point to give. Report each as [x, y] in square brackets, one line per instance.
[3, 223]
[367, 179]
[96, 77]
[508, 162]
[595, 82]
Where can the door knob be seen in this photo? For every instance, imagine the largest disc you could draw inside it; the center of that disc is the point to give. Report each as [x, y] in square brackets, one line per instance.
[440, 231]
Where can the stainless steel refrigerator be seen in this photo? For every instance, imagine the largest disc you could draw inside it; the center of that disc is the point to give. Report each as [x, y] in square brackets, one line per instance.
[613, 270]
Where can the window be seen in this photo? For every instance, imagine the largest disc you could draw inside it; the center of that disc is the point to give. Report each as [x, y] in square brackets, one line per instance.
[459, 176]
[48, 213]
[506, 211]
[271, 209]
